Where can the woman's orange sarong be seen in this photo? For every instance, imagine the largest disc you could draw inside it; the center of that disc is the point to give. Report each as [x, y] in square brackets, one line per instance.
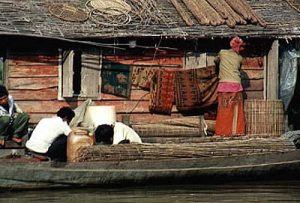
[230, 116]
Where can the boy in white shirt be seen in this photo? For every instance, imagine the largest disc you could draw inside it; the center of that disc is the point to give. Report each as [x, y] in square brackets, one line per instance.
[117, 133]
[49, 138]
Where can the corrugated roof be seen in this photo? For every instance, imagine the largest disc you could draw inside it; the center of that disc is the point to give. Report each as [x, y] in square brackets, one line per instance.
[79, 19]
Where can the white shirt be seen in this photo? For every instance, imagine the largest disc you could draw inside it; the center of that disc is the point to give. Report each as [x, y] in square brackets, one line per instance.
[46, 131]
[10, 112]
[122, 131]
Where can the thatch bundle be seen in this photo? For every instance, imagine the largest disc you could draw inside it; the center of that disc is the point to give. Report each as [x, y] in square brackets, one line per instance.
[168, 151]
[164, 130]
[217, 12]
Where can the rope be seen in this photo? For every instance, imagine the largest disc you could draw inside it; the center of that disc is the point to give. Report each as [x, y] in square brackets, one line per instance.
[111, 7]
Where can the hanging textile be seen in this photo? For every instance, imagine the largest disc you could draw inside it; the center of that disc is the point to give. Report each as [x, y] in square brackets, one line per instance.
[162, 91]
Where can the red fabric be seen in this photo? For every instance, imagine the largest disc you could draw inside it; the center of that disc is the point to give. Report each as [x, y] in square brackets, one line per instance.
[162, 91]
[237, 44]
[228, 104]
[229, 87]
[187, 96]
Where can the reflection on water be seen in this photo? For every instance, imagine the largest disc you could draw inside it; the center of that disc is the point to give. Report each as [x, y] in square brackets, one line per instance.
[237, 192]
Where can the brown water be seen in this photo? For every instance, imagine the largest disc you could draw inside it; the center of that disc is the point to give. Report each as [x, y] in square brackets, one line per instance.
[237, 192]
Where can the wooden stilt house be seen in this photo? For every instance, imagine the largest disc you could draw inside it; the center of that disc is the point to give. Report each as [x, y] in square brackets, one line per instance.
[56, 53]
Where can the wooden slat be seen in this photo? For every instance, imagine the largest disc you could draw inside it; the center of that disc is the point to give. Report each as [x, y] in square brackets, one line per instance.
[273, 71]
[90, 73]
[253, 84]
[254, 94]
[1, 71]
[147, 60]
[32, 71]
[40, 95]
[67, 73]
[32, 60]
[253, 63]
[135, 95]
[130, 106]
[36, 117]
[53, 106]
[252, 74]
[136, 118]
[44, 106]
[32, 83]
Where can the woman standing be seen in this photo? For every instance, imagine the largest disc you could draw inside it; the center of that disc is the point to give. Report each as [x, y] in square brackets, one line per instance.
[230, 116]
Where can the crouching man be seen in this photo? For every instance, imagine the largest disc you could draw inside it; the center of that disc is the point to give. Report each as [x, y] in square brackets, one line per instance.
[117, 133]
[13, 122]
[49, 138]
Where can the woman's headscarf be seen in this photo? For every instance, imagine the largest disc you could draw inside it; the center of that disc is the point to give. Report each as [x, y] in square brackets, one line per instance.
[237, 44]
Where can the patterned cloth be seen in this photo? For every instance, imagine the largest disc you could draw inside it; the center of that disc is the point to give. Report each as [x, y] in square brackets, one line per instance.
[187, 96]
[142, 76]
[135, 75]
[145, 77]
[208, 91]
[195, 88]
[162, 91]
[230, 117]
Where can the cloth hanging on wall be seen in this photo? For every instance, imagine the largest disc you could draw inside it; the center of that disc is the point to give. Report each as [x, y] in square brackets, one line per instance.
[116, 79]
[187, 96]
[142, 76]
[195, 88]
[162, 91]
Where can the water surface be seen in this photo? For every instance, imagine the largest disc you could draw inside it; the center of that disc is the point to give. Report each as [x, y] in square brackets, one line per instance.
[280, 191]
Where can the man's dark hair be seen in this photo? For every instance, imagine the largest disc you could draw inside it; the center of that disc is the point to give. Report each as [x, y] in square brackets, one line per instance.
[66, 112]
[104, 134]
[3, 91]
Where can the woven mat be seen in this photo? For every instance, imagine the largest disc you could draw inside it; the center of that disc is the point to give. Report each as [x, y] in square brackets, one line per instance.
[68, 12]
[165, 130]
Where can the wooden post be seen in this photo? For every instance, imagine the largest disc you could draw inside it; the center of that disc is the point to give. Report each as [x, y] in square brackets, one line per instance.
[273, 71]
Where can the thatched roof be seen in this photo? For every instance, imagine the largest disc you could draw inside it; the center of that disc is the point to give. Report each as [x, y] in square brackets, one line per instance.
[83, 19]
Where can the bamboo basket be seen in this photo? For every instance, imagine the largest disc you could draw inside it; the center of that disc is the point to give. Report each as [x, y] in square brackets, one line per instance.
[264, 117]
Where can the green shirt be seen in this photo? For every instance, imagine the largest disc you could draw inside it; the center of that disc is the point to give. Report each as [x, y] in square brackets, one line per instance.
[230, 64]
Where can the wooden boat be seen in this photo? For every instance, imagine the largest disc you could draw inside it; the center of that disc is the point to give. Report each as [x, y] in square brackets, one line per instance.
[212, 160]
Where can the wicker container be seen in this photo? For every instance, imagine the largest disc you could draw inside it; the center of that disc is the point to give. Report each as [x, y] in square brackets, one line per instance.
[264, 117]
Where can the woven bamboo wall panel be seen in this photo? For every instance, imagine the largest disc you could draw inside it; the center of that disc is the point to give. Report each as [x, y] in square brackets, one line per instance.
[264, 117]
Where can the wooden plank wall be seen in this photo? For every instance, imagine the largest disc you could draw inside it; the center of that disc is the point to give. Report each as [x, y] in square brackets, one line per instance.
[138, 106]
[33, 81]
[252, 73]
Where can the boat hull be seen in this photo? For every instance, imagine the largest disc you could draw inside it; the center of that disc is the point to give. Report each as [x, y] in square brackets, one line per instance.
[16, 174]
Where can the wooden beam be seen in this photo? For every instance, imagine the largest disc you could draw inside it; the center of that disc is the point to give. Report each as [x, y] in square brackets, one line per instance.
[272, 71]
